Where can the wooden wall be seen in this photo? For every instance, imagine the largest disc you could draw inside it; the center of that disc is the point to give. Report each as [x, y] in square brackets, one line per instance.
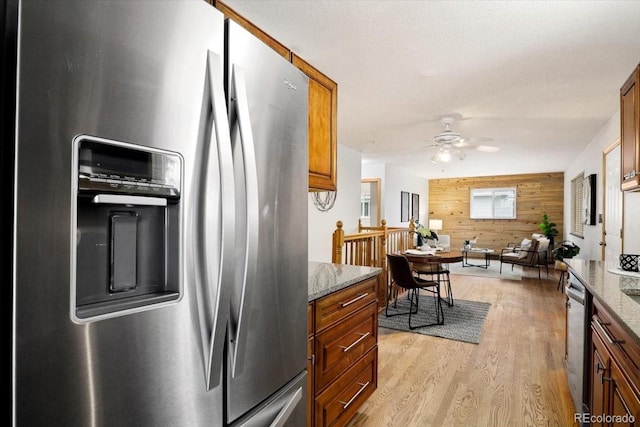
[536, 194]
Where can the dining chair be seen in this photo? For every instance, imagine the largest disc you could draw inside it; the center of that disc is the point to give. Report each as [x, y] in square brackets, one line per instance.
[439, 272]
[402, 277]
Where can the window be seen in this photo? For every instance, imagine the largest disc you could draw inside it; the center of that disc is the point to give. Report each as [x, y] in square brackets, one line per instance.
[577, 199]
[493, 203]
[365, 205]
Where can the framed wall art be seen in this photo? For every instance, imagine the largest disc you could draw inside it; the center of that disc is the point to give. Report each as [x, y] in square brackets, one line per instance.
[589, 199]
[415, 206]
[404, 206]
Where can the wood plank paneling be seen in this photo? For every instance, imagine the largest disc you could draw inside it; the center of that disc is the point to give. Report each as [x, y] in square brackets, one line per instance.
[536, 194]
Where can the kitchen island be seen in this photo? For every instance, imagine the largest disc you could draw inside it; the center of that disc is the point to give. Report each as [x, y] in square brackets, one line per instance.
[613, 291]
[612, 342]
[343, 340]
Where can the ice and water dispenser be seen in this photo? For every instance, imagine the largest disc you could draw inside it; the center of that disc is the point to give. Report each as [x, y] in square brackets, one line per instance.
[127, 242]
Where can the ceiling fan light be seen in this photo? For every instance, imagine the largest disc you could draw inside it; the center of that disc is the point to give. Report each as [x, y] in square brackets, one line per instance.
[460, 154]
[445, 156]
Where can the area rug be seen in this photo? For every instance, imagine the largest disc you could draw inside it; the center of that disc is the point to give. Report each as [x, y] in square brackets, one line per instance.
[493, 271]
[462, 322]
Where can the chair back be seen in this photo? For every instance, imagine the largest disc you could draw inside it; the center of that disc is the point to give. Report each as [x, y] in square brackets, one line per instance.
[532, 253]
[401, 271]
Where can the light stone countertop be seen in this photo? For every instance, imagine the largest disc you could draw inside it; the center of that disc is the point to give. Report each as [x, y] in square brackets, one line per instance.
[620, 294]
[326, 278]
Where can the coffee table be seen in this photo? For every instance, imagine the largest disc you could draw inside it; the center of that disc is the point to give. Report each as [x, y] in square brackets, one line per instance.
[487, 257]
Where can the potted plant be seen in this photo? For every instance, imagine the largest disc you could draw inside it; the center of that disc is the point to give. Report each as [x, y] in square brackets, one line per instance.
[566, 249]
[424, 234]
[548, 228]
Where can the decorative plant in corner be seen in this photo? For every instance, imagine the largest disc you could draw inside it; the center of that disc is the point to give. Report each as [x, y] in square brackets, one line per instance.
[548, 228]
[566, 249]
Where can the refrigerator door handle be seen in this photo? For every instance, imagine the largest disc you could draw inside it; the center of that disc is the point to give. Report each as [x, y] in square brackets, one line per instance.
[287, 409]
[217, 308]
[239, 336]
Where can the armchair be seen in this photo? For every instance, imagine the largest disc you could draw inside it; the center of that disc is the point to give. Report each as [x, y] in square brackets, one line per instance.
[443, 243]
[525, 257]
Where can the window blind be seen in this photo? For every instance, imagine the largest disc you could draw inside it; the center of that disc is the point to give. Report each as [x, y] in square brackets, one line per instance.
[577, 197]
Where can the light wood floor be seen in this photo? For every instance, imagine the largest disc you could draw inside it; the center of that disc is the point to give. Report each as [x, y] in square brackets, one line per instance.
[515, 377]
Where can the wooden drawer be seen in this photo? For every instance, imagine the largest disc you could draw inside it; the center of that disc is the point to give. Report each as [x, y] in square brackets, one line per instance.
[340, 304]
[339, 346]
[622, 347]
[340, 401]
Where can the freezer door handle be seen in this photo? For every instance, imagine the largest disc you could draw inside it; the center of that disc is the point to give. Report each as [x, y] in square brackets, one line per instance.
[250, 252]
[287, 409]
[215, 296]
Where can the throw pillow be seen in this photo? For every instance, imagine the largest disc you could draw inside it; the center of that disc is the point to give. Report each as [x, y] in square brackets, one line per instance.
[524, 247]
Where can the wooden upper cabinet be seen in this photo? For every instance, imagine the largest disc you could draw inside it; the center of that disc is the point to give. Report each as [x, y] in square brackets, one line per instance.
[630, 132]
[323, 131]
[249, 26]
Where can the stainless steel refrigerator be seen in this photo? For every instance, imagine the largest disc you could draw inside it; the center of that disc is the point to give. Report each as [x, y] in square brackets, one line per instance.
[155, 156]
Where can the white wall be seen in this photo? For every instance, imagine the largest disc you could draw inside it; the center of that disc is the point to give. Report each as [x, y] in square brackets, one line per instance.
[395, 180]
[346, 209]
[590, 161]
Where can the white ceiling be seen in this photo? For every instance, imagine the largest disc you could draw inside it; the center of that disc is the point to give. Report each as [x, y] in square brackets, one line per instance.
[539, 78]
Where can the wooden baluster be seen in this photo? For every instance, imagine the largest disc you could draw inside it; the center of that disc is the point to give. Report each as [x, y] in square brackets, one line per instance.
[338, 242]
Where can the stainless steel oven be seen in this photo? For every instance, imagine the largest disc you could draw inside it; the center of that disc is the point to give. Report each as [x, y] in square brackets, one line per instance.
[577, 304]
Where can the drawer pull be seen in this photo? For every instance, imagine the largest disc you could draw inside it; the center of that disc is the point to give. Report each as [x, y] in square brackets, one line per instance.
[362, 336]
[601, 326]
[359, 297]
[345, 405]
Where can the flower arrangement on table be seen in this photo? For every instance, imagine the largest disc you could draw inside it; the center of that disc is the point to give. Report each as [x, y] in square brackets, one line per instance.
[468, 243]
[424, 233]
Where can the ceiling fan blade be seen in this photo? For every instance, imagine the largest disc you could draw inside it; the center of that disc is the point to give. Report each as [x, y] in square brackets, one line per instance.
[483, 148]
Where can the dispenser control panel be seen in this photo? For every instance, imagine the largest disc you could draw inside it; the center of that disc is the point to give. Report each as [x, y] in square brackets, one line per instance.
[122, 169]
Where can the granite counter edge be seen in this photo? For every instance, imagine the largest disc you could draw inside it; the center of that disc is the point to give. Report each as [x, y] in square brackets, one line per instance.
[341, 285]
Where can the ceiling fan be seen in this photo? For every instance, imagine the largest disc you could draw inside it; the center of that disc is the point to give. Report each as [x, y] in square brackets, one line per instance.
[451, 144]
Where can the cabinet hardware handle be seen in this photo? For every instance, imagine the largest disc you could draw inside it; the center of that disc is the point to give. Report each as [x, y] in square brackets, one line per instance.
[603, 378]
[359, 297]
[345, 405]
[362, 336]
[601, 326]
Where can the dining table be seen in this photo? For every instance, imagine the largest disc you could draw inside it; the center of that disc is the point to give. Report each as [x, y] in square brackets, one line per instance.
[437, 259]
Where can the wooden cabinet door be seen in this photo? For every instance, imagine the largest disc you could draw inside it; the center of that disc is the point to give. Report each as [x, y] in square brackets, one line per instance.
[600, 370]
[624, 404]
[630, 132]
[323, 133]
